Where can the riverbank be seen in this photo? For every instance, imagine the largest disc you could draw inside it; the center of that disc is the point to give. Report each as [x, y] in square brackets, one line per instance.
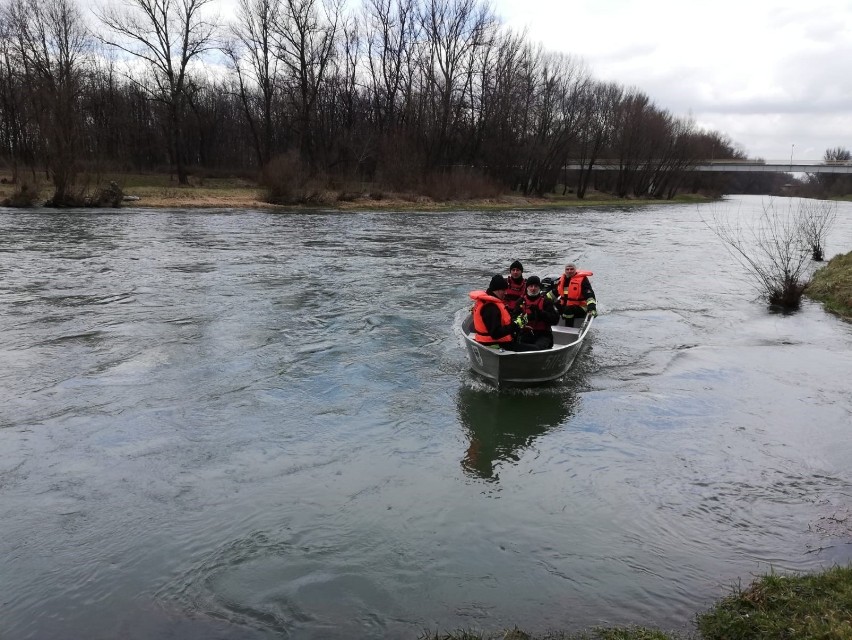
[802, 607]
[159, 191]
[832, 285]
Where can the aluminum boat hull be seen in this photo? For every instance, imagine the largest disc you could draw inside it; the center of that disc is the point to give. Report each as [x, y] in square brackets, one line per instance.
[527, 367]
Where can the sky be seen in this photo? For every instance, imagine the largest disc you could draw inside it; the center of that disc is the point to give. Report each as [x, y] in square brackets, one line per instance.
[776, 77]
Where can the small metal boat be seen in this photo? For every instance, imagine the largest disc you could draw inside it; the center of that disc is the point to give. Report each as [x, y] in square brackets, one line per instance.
[526, 367]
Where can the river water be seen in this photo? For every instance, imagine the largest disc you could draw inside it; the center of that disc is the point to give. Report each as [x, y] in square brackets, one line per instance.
[244, 424]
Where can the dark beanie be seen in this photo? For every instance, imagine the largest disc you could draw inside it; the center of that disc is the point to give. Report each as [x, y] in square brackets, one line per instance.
[498, 282]
[516, 265]
[534, 280]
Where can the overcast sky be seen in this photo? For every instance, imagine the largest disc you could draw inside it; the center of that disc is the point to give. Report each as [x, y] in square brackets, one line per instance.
[770, 74]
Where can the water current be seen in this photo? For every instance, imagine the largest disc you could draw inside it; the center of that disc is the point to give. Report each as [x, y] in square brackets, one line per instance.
[247, 424]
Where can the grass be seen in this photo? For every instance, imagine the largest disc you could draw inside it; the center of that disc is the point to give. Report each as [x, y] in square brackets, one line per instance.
[804, 607]
[610, 633]
[809, 606]
[159, 190]
[162, 190]
[832, 285]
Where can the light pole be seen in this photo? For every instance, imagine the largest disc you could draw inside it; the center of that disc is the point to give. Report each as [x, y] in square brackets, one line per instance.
[791, 154]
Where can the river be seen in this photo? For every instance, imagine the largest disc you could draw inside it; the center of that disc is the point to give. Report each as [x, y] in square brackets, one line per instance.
[244, 424]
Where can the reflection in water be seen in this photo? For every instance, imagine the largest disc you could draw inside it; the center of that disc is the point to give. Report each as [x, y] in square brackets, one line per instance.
[502, 424]
[219, 427]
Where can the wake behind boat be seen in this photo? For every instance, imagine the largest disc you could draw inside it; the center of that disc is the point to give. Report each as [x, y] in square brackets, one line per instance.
[526, 367]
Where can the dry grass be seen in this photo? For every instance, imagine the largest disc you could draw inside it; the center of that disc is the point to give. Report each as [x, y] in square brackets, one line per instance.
[159, 190]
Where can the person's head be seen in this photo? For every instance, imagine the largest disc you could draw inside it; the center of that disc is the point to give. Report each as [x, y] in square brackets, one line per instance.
[497, 287]
[516, 270]
[570, 270]
[533, 287]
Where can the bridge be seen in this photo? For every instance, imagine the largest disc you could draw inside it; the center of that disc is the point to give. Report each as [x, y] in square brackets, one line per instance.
[725, 166]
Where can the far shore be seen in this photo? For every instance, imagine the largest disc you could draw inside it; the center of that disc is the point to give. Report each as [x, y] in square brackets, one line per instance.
[159, 191]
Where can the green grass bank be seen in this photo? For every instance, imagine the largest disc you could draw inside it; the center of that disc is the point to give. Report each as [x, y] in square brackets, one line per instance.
[832, 285]
[803, 607]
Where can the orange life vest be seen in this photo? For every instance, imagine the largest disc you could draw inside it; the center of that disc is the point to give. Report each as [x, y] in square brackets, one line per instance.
[572, 294]
[480, 299]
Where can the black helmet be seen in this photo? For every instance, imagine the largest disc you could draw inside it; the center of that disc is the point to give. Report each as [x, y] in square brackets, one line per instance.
[516, 265]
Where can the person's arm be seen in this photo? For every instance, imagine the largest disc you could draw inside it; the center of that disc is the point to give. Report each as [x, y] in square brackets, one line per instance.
[554, 299]
[549, 313]
[589, 297]
[586, 288]
[491, 316]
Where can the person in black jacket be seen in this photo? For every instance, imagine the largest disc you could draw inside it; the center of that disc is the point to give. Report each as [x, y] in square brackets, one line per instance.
[516, 286]
[541, 316]
[493, 318]
[573, 295]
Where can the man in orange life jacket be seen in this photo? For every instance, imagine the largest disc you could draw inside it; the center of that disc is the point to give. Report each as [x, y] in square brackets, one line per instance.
[517, 285]
[541, 315]
[492, 322]
[573, 295]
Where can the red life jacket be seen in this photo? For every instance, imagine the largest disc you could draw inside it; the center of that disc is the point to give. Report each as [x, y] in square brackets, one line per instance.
[535, 303]
[572, 294]
[480, 299]
[515, 292]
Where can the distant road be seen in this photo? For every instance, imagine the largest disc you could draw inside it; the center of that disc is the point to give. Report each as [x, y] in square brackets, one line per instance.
[727, 166]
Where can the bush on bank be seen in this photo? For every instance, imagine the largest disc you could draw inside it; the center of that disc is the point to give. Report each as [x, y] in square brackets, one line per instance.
[805, 607]
[832, 285]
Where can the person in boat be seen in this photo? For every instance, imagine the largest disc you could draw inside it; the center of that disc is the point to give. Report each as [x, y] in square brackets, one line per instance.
[541, 316]
[573, 295]
[492, 322]
[517, 285]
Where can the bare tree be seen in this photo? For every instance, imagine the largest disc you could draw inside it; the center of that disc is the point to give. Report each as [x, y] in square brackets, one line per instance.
[552, 128]
[50, 41]
[306, 37]
[391, 30]
[816, 218]
[771, 250]
[13, 110]
[252, 56]
[599, 107]
[168, 35]
[833, 184]
[453, 29]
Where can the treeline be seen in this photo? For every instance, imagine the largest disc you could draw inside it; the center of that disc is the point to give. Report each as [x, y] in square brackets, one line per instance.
[415, 95]
[829, 185]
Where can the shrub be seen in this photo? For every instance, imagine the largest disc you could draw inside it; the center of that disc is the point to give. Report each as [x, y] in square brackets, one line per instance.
[286, 180]
[816, 219]
[460, 183]
[772, 250]
[24, 196]
[109, 196]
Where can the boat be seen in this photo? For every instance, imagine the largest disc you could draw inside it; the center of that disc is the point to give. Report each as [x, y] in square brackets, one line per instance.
[526, 367]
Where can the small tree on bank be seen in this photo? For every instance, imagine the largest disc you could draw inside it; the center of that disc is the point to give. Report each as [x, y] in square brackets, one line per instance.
[773, 250]
[816, 219]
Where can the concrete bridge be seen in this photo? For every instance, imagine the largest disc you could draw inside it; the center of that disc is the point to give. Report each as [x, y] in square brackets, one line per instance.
[725, 166]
